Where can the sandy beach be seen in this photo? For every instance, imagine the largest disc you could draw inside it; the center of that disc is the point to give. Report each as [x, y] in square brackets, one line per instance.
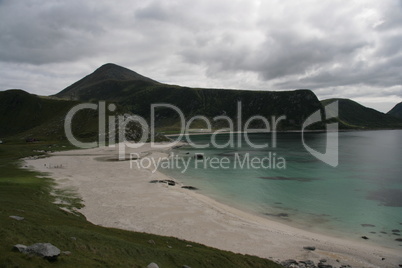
[119, 194]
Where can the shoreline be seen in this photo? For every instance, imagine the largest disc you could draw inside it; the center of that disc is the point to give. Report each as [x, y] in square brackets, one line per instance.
[117, 196]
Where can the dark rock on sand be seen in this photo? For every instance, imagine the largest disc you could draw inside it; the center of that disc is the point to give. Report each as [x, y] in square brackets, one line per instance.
[278, 215]
[396, 231]
[169, 182]
[199, 156]
[308, 264]
[323, 264]
[189, 187]
[365, 237]
[289, 263]
[398, 239]
[367, 225]
[309, 248]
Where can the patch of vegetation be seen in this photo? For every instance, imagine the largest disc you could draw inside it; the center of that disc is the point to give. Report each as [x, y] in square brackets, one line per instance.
[24, 193]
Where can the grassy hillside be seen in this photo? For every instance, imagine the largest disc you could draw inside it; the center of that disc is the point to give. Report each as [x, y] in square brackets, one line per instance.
[21, 111]
[136, 93]
[396, 111]
[22, 193]
[352, 115]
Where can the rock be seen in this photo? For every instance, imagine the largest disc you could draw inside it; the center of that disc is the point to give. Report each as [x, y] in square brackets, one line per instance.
[289, 263]
[323, 265]
[20, 248]
[151, 242]
[18, 218]
[189, 246]
[45, 250]
[309, 248]
[323, 260]
[189, 187]
[398, 239]
[152, 265]
[185, 266]
[67, 253]
[199, 156]
[73, 238]
[396, 231]
[397, 234]
[308, 264]
[365, 237]
[367, 225]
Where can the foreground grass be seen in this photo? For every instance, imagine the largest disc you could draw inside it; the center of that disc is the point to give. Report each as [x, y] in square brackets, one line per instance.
[22, 193]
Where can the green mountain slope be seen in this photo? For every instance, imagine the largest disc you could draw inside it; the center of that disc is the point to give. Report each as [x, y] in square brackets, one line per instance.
[353, 115]
[136, 93]
[21, 111]
[396, 111]
[28, 116]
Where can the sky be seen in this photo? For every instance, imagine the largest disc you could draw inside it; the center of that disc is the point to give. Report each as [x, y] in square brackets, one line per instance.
[338, 49]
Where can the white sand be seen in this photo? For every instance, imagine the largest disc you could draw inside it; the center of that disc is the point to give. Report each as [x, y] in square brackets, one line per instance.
[116, 195]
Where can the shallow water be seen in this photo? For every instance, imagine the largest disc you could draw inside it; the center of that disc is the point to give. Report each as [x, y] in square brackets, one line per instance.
[362, 196]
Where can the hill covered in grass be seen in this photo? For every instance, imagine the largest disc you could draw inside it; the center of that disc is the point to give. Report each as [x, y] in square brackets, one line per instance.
[396, 111]
[136, 93]
[353, 115]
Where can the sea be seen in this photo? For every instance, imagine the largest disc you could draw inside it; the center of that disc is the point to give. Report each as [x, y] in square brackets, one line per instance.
[281, 180]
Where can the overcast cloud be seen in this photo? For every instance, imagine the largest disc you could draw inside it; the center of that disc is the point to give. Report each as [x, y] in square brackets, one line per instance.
[349, 49]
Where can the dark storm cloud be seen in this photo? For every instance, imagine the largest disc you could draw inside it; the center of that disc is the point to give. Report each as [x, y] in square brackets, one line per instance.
[336, 48]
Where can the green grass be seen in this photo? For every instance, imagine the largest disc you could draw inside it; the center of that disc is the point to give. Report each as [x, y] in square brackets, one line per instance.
[22, 193]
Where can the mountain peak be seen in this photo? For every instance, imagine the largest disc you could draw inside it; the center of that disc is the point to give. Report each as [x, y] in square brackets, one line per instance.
[100, 79]
[111, 71]
[116, 72]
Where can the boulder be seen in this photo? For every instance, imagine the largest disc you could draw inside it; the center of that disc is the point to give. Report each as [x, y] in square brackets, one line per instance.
[45, 250]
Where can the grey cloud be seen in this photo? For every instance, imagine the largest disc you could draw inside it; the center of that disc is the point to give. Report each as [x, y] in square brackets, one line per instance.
[328, 46]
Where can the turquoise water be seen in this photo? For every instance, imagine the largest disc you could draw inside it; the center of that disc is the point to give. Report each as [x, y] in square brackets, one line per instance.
[362, 196]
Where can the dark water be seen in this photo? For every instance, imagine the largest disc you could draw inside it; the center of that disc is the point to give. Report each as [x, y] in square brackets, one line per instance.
[361, 196]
